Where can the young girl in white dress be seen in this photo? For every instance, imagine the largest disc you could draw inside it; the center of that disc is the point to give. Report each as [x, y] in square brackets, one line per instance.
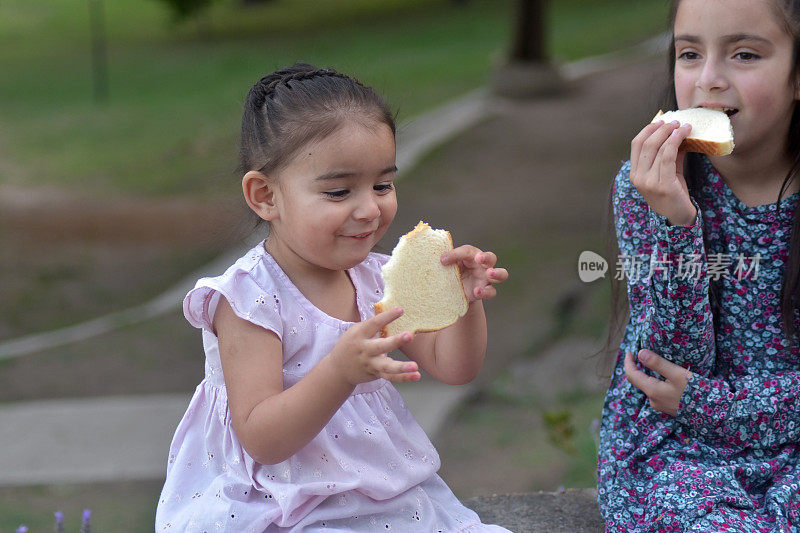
[296, 426]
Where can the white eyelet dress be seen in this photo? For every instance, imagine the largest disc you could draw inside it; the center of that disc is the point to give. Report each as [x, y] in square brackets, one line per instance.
[371, 468]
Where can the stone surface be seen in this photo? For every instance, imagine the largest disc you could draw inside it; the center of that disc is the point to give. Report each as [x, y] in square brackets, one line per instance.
[572, 510]
[120, 438]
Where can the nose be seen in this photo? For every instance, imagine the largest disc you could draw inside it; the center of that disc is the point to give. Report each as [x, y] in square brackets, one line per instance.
[712, 77]
[367, 208]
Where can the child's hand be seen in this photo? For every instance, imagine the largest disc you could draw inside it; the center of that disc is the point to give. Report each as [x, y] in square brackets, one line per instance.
[360, 356]
[664, 396]
[657, 171]
[478, 274]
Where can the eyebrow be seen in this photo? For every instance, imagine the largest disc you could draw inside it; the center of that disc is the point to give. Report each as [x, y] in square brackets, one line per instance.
[733, 38]
[341, 174]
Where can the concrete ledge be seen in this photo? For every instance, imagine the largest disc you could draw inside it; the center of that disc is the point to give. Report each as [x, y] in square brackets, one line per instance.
[573, 511]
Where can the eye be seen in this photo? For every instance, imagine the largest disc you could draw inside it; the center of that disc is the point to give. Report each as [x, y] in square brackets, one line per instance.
[688, 55]
[337, 194]
[384, 187]
[746, 56]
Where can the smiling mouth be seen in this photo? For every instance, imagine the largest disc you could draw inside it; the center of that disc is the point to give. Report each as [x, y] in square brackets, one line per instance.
[362, 235]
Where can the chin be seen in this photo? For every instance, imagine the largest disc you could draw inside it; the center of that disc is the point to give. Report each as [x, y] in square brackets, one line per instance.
[346, 263]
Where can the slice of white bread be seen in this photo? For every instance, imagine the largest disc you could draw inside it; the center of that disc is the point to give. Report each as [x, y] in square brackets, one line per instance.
[429, 292]
[711, 133]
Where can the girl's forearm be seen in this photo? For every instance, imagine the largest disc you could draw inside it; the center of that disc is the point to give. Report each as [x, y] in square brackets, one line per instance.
[282, 424]
[459, 350]
[681, 324]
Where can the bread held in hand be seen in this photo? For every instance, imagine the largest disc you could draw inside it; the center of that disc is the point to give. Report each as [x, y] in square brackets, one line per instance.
[711, 133]
[415, 279]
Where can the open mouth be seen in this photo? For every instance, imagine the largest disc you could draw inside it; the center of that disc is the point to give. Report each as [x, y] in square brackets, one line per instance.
[730, 111]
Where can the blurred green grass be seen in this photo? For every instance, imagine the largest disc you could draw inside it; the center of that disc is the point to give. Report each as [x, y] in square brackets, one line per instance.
[170, 125]
[125, 507]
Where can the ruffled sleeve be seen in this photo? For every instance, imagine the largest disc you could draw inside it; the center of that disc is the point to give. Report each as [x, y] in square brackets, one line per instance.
[242, 286]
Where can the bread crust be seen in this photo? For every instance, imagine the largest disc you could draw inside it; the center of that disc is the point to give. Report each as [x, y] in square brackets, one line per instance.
[707, 147]
[691, 144]
[380, 308]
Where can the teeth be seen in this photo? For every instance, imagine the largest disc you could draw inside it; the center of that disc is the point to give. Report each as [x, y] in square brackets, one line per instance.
[727, 110]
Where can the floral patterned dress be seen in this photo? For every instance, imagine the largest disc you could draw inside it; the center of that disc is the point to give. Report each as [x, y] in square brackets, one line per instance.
[730, 459]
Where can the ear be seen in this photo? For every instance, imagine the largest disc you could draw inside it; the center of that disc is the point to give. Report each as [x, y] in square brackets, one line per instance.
[259, 193]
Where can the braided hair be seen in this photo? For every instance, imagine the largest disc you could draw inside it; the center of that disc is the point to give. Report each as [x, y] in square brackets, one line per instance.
[298, 104]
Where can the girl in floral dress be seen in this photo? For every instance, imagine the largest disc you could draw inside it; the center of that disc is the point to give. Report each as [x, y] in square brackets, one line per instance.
[701, 423]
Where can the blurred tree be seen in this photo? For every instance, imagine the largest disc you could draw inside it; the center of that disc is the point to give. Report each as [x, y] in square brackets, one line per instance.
[527, 71]
[183, 9]
[529, 32]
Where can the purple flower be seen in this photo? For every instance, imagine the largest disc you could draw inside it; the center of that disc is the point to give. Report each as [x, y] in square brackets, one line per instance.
[59, 522]
[22, 529]
[85, 526]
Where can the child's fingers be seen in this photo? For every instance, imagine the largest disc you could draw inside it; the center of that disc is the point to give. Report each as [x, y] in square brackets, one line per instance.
[668, 154]
[470, 257]
[497, 275]
[401, 378]
[636, 378]
[487, 259]
[662, 366]
[485, 293]
[650, 148]
[373, 325]
[385, 345]
[388, 365]
[397, 371]
[636, 143]
[464, 254]
[647, 384]
[679, 161]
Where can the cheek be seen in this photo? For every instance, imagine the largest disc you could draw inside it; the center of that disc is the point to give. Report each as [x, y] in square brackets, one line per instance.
[777, 95]
[684, 87]
[388, 208]
[310, 216]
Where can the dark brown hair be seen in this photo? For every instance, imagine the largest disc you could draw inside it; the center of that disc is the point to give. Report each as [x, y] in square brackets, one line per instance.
[289, 108]
[788, 12]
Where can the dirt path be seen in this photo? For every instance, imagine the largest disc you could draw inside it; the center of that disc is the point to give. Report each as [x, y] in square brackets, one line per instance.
[532, 184]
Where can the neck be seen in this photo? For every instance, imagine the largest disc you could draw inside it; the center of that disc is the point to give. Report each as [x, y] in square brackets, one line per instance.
[756, 176]
[301, 272]
[331, 291]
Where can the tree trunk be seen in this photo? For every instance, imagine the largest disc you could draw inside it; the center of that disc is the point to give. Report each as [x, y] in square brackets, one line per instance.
[529, 32]
[528, 73]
